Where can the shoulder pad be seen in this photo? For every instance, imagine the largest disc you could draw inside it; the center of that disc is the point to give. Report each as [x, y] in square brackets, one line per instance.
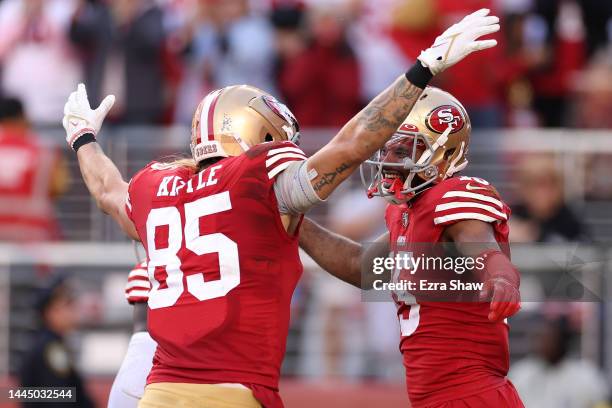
[276, 155]
[469, 198]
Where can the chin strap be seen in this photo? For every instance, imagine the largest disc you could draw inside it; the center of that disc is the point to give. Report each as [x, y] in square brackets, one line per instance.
[396, 188]
[372, 191]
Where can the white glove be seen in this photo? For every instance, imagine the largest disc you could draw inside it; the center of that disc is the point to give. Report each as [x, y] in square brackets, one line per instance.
[80, 119]
[459, 41]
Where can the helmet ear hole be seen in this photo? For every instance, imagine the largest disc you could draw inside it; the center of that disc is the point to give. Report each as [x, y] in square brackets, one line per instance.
[449, 153]
[269, 138]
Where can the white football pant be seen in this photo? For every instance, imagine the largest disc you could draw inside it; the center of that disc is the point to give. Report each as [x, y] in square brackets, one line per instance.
[131, 379]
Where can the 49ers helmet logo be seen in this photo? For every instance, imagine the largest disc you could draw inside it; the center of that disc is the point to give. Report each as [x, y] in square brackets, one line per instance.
[283, 111]
[408, 128]
[444, 116]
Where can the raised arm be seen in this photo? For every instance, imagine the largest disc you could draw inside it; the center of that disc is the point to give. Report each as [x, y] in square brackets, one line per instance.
[100, 174]
[368, 131]
[106, 185]
[341, 257]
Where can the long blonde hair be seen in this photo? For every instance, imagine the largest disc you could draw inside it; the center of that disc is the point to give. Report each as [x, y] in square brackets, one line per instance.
[175, 161]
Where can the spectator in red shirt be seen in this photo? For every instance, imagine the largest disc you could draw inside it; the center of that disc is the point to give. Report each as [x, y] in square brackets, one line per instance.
[320, 82]
[31, 176]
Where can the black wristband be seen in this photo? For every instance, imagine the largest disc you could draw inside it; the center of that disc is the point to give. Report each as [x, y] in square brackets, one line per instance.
[419, 75]
[83, 140]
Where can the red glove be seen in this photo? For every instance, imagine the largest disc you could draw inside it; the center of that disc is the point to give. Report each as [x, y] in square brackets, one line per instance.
[138, 285]
[501, 285]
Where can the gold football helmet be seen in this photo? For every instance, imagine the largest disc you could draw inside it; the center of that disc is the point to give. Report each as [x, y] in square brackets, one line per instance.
[430, 146]
[229, 121]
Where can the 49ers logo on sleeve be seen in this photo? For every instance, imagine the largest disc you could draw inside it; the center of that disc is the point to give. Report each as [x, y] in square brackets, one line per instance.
[444, 116]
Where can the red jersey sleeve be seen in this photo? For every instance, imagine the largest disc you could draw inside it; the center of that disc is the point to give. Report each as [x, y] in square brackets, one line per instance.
[278, 156]
[138, 285]
[131, 193]
[143, 185]
[470, 198]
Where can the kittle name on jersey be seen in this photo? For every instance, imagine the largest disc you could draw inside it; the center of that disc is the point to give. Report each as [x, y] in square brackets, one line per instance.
[171, 186]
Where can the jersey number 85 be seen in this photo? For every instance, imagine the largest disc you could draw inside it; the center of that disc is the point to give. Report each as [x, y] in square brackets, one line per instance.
[226, 249]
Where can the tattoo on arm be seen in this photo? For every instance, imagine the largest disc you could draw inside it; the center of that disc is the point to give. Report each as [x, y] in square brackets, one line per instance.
[329, 177]
[365, 133]
[389, 109]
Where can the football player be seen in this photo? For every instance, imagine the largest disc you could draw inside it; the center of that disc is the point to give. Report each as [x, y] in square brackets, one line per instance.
[221, 229]
[130, 381]
[455, 353]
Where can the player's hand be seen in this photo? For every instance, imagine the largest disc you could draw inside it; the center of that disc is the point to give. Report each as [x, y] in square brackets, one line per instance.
[504, 296]
[80, 119]
[459, 41]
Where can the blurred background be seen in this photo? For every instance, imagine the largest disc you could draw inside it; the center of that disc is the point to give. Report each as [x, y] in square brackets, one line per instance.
[541, 109]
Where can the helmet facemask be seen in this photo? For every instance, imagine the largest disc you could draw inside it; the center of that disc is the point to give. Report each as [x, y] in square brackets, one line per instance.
[429, 146]
[404, 167]
[289, 127]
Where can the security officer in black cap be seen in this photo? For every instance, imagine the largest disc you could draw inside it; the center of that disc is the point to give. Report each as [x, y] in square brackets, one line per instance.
[50, 362]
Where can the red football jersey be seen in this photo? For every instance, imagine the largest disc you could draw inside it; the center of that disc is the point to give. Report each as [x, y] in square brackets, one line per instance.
[451, 349]
[223, 268]
[26, 208]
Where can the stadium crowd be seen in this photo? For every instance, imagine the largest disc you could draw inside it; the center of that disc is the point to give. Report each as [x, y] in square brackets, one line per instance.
[158, 57]
[325, 59]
